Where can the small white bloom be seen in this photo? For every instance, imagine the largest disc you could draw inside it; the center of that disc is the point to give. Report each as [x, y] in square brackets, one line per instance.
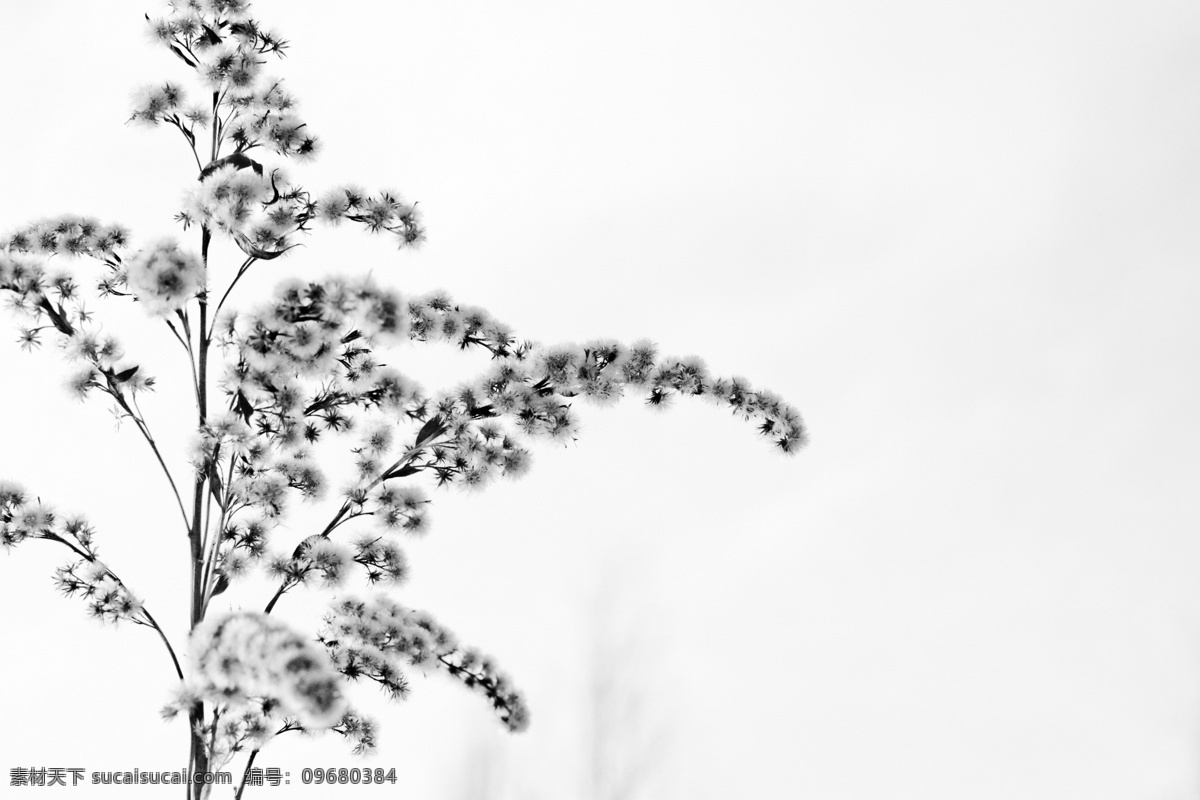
[164, 277]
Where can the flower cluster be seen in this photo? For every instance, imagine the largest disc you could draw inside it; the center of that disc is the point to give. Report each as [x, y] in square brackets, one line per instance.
[251, 725]
[21, 519]
[107, 597]
[100, 356]
[245, 660]
[359, 731]
[266, 115]
[393, 508]
[188, 17]
[226, 433]
[531, 384]
[24, 278]
[600, 371]
[230, 67]
[54, 298]
[312, 332]
[476, 448]
[329, 330]
[396, 508]
[251, 481]
[70, 235]
[164, 277]
[436, 318]
[243, 542]
[373, 639]
[15, 526]
[382, 558]
[385, 212]
[161, 103]
[226, 48]
[316, 556]
[259, 212]
[308, 328]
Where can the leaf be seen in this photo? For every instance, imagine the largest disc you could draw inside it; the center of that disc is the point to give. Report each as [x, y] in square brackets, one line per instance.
[214, 484]
[191, 137]
[211, 36]
[181, 55]
[222, 585]
[407, 469]
[125, 374]
[307, 543]
[253, 250]
[430, 431]
[275, 198]
[59, 318]
[239, 160]
[480, 412]
[242, 407]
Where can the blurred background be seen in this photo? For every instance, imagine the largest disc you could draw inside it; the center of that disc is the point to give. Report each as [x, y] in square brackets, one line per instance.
[961, 238]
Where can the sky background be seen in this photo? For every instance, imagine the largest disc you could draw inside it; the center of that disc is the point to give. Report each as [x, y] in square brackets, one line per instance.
[960, 237]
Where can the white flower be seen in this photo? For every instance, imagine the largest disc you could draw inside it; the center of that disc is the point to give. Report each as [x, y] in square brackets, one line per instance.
[251, 655]
[153, 103]
[164, 277]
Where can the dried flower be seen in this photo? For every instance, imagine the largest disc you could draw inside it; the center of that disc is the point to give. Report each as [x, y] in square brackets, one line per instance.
[164, 276]
[247, 655]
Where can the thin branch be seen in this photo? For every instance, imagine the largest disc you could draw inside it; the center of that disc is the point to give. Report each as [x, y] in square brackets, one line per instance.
[91, 558]
[205, 535]
[189, 137]
[64, 326]
[212, 737]
[283, 587]
[241, 271]
[341, 517]
[253, 755]
[215, 547]
[154, 623]
[246, 773]
[216, 139]
[135, 415]
[188, 347]
[187, 328]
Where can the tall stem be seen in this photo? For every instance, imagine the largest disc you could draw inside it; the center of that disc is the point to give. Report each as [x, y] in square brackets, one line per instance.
[199, 755]
[198, 751]
[246, 773]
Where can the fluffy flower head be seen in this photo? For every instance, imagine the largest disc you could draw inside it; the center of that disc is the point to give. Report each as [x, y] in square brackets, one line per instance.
[247, 654]
[164, 277]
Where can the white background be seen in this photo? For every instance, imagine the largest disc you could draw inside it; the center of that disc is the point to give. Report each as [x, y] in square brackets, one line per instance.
[960, 237]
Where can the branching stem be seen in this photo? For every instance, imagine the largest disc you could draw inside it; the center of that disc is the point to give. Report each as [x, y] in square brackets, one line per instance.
[241, 271]
[136, 416]
[153, 623]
